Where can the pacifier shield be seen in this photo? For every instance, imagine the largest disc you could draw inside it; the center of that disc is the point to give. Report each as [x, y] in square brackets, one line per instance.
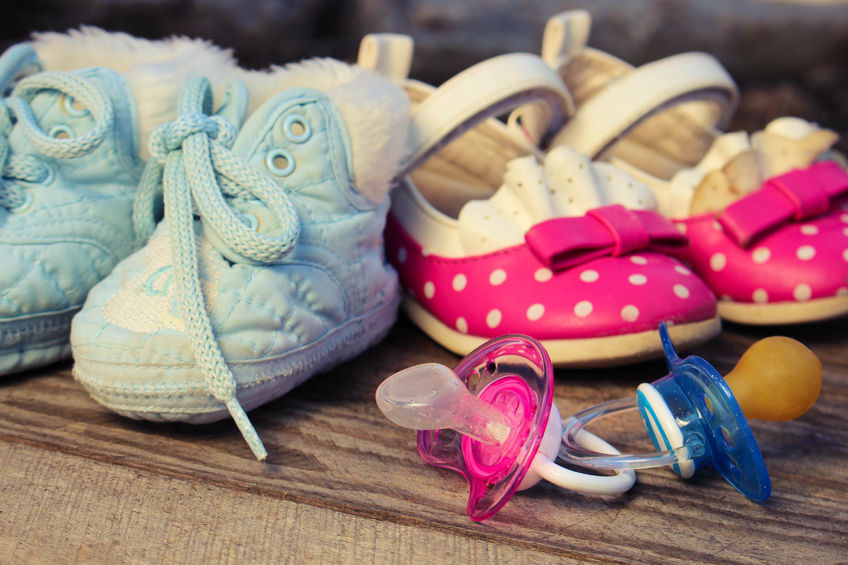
[517, 402]
[706, 410]
[518, 375]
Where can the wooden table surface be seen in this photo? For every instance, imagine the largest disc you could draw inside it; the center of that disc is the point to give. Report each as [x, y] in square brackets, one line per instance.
[343, 484]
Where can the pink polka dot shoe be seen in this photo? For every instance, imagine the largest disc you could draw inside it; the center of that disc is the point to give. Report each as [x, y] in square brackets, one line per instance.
[489, 236]
[764, 212]
[779, 254]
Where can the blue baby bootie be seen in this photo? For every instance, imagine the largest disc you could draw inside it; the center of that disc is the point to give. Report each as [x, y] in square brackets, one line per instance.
[268, 266]
[70, 162]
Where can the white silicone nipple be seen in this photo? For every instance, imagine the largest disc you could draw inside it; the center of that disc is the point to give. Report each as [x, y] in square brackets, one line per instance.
[431, 396]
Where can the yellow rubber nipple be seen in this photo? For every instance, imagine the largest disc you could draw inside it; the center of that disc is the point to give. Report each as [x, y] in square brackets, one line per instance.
[777, 379]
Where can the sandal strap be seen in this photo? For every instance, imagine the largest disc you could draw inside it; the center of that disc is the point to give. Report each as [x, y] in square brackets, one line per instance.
[566, 35]
[482, 91]
[638, 93]
[630, 99]
[389, 54]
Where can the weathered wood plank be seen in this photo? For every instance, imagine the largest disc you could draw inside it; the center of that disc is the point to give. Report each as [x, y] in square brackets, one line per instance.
[330, 448]
[59, 508]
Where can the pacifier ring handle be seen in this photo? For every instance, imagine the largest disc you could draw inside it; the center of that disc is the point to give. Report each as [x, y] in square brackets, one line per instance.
[620, 482]
[578, 452]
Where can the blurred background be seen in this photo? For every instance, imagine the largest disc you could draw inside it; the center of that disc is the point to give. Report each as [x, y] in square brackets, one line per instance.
[789, 57]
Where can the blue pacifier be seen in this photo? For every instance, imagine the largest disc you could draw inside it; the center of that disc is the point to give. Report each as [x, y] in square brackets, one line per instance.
[695, 418]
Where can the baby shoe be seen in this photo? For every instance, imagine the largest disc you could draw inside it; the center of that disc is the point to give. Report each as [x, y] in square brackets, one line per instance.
[490, 236]
[268, 266]
[763, 212]
[70, 140]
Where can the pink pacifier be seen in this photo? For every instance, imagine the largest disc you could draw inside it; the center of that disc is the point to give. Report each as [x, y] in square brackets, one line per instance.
[493, 420]
[697, 418]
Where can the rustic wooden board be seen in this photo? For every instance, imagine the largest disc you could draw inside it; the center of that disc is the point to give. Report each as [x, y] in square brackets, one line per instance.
[343, 482]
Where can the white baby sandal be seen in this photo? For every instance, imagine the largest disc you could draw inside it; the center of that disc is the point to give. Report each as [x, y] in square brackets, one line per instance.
[268, 266]
[491, 236]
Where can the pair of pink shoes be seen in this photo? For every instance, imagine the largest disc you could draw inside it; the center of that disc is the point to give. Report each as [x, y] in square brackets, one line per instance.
[491, 235]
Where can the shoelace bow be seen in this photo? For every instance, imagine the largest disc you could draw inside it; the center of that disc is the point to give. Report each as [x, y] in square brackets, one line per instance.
[15, 110]
[192, 163]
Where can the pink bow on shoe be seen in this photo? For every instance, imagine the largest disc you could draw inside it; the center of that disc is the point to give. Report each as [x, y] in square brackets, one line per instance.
[793, 196]
[612, 230]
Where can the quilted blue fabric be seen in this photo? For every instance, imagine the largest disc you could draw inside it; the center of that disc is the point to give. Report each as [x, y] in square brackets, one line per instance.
[70, 169]
[278, 320]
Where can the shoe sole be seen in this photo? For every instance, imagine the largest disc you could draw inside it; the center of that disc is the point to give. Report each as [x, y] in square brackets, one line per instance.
[779, 313]
[35, 341]
[590, 352]
[336, 347]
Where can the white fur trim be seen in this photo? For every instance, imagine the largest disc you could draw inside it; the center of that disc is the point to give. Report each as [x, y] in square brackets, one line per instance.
[156, 70]
[375, 112]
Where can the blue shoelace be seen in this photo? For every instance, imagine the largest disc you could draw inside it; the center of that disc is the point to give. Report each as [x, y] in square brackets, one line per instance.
[15, 110]
[191, 163]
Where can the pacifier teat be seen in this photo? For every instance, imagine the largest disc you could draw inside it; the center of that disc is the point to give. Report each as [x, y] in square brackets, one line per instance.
[502, 433]
[776, 379]
[431, 396]
[695, 418]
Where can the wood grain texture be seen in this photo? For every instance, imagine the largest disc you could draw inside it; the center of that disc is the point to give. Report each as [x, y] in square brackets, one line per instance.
[89, 511]
[344, 484]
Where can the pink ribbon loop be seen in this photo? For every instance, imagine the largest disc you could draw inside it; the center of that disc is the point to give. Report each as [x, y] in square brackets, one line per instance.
[608, 231]
[793, 196]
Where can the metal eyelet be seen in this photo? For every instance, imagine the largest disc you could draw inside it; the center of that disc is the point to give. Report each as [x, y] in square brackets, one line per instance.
[71, 110]
[23, 206]
[297, 129]
[61, 131]
[250, 220]
[51, 175]
[280, 162]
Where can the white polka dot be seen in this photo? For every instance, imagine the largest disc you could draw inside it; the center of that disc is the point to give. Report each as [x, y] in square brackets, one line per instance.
[493, 318]
[809, 229]
[629, 313]
[681, 291]
[718, 262]
[459, 282]
[806, 252]
[845, 232]
[535, 312]
[637, 279]
[845, 254]
[844, 218]
[429, 289]
[639, 260]
[760, 296]
[497, 277]
[589, 275]
[462, 325]
[401, 255]
[583, 308]
[543, 275]
[802, 292]
[682, 270]
[717, 226]
[761, 254]
[680, 227]
[842, 291]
